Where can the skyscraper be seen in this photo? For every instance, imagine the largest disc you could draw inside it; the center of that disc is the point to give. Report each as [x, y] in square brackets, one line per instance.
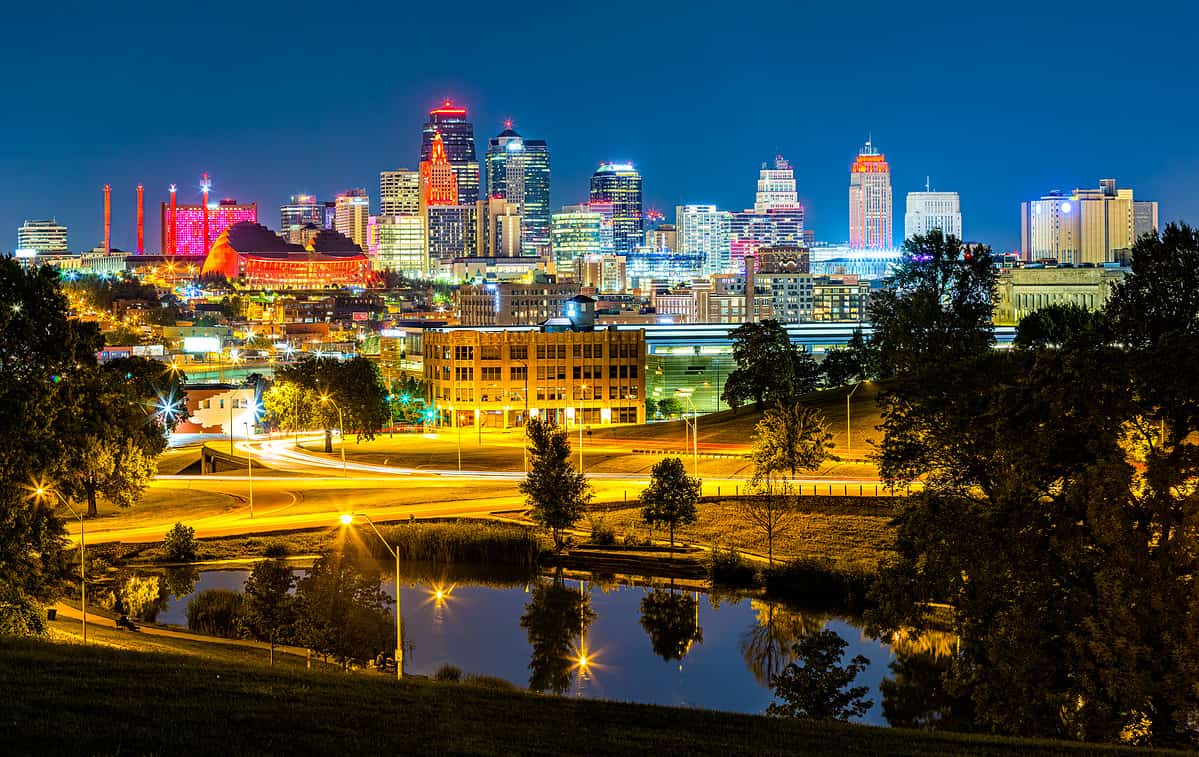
[518, 170]
[299, 212]
[870, 201]
[458, 136]
[576, 232]
[42, 237]
[399, 192]
[776, 187]
[498, 228]
[438, 180]
[1088, 226]
[620, 184]
[932, 210]
[704, 232]
[352, 213]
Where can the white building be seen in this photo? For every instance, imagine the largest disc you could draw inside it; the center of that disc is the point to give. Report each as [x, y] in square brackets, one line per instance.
[1087, 226]
[933, 210]
[399, 192]
[400, 245]
[776, 187]
[705, 232]
[42, 237]
[351, 215]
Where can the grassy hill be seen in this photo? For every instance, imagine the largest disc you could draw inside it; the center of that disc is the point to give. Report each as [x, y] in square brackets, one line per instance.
[65, 698]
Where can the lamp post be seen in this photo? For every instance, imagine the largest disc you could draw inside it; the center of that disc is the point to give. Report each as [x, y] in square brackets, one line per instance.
[42, 491]
[694, 430]
[848, 431]
[250, 469]
[347, 519]
[341, 426]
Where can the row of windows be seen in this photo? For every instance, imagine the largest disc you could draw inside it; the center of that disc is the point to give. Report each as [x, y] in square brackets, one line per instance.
[466, 352]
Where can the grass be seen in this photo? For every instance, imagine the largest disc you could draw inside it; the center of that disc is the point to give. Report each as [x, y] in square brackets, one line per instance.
[464, 541]
[76, 700]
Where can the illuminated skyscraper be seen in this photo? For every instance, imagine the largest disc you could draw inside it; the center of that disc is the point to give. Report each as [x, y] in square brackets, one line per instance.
[399, 192]
[933, 210]
[438, 180]
[518, 170]
[183, 225]
[42, 237]
[870, 201]
[1088, 226]
[498, 228]
[299, 212]
[352, 213]
[458, 136]
[576, 232]
[620, 184]
[776, 187]
[703, 232]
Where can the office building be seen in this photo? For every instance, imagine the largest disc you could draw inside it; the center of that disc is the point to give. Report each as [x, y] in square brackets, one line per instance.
[840, 300]
[664, 236]
[183, 226]
[620, 185]
[351, 217]
[776, 187]
[870, 201]
[450, 232]
[42, 237]
[704, 231]
[1024, 290]
[1088, 226]
[300, 212]
[458, 136]
[750, 230]
[518, 170]
[399, 193]
[576, 232]
[605, 274]
[932, 210]
[499, 228]
[512, 304]
[400, 245]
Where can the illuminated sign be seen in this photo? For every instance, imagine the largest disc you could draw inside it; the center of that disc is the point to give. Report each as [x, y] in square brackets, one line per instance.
[201, 344]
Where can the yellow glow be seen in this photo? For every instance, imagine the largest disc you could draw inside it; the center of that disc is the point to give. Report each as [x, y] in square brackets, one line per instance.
[346, 519]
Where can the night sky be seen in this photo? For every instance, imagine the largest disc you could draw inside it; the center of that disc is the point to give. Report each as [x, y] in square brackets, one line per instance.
[319, 97]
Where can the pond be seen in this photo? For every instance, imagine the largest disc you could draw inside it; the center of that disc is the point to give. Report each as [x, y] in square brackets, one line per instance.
[640, 644]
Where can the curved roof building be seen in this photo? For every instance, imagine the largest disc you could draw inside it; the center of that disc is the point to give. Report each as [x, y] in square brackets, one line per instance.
[257, 256]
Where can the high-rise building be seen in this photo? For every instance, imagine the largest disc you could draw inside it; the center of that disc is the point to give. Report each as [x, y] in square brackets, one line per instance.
[604, 273]
[400, 244]
[776, 187]
[933, 210]
[300, 212]
[438, 180]
[352, 215]
[704, 231]
[450, 233]
[664, 236]
[576, 232]
[620, 184]
[750, 231]
[183, 226]
[42, 237]
[1088, 226]
[499, 228]
[518, 170]
[458, 136]
[399, 192]
[330, 214]
[870, 201]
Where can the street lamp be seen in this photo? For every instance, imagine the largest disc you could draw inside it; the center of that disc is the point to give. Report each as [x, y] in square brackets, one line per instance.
[42, 491]
[686, 395]
[341, 425]
[348, 519]
[250, 468]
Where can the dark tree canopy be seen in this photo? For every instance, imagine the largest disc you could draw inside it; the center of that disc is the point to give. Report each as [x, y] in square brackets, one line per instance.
[341, 610]
[269, 612]
[354, 385]
[556, 619]
[769, 367]
[1161, 296]
[816, 685]
[1056, 325]
[672, 623]
[670, 498]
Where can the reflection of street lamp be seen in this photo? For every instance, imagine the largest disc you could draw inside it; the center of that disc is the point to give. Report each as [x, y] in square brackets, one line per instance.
[42, 491]
[341, 425]
[346, 520]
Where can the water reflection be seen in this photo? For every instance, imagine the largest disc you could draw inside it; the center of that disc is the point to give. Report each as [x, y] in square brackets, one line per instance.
[556, 619]
[768, 645]
[672, 622]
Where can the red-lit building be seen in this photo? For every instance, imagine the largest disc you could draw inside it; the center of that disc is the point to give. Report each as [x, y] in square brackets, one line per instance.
[258, 257]
[439, 184]
[183, 225]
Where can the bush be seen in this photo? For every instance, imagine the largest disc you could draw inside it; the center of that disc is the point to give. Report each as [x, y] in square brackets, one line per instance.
[489, 682]
[601, 533]
[463, 541]
[275, 549]
[730, 568]
[448, 672]
[180, 543]
[819, 580]
[216, 612]
[632, 540]
[21, 616]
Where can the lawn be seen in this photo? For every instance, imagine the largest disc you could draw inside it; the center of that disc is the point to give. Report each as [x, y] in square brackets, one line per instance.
[68, 699]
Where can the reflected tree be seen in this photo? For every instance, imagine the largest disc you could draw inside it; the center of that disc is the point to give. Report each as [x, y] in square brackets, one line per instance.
[768, 645]
[916, 695]
[180, 581]
[817, 686]
[341, 609]
[672, 622]
[555, 619]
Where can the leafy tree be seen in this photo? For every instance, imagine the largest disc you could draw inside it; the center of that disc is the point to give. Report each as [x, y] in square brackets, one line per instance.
[816, 686]
[841, 367]
[1160, 297]
[407, 400]
[769, 505]
[1056, 325]
[179, 544]
[669, 407]
[352, 385]
[290, 407]
[672, 623]
[790, 438]
[340, 610]
[179, 581]
[217, 612]
[269, 609]
[140, 597]
[670, 497]
[769, 366]
[557, 493]
[556, 619]
[936, 308]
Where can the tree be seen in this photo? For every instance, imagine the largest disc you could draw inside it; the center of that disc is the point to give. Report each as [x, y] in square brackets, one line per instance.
[269, 609]
[289, 406]
[670, 497]
[672, 623]
[352, 385]
[769, 366]
[556, 619]
[841, 367]
[179, 544]
[217, 612]
[789, 438]
[936, 308]
[816, 686]
[1161, 296]
[557, 493]
[669, 407]
[769, 644]
[340, 610]
[769, 505]
[1056, 325]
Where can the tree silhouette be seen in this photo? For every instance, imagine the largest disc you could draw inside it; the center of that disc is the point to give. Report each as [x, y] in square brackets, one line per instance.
[555, 619]
[672, 623]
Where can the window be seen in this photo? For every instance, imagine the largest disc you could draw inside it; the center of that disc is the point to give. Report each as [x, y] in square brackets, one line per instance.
[464, 373]
[464, 352]
[541, 352]
[519, 352]
[490, 352]
[518, 373]
[561, 351]
[577, 351]
[491, 373]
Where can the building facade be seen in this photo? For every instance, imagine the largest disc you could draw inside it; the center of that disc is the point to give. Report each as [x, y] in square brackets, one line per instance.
[705, 232]
[183, 225]
[42, 237]
[518, 170]
[932, 210]
[604, 273]
[353, 211]
[458, 135]
[499, 228]
[1024, 290]
[400, 245]
[870, 201]
[1088, 226]
[576, 232]
[512, 304]
[399, 192]
[499, 378]
[300, 212]
[620, 185]
[776, 187]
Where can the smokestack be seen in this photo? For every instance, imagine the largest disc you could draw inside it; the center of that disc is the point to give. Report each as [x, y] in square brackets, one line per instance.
[751, 310]
[171, 226]
[107, 218]
[141, 221]
[204, 201]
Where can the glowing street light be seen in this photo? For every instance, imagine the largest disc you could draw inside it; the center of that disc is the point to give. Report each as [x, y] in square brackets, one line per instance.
[347, 519]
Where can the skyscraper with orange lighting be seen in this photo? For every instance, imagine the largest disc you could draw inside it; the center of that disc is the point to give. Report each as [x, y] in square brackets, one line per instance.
[458, 137]
[870, 201]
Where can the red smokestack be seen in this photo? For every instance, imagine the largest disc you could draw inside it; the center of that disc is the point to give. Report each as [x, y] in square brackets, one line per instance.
[107, 218]
[171, 239]
[204, 201]
[141, 222]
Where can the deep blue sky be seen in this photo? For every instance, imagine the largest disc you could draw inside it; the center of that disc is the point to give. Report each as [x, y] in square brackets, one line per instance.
[318, 97]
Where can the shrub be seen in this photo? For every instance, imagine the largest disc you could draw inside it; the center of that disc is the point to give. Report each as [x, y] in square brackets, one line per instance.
[462, 541]
[448, 672]
[275, 549]
[21, 616]
[489, 682]
[730, 568]
[217, 612]
[179, 544]
[819, 580]
[631, 540]
[601, 533]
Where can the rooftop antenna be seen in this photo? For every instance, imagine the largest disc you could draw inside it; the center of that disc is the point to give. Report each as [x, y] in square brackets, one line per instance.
[926, 184]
